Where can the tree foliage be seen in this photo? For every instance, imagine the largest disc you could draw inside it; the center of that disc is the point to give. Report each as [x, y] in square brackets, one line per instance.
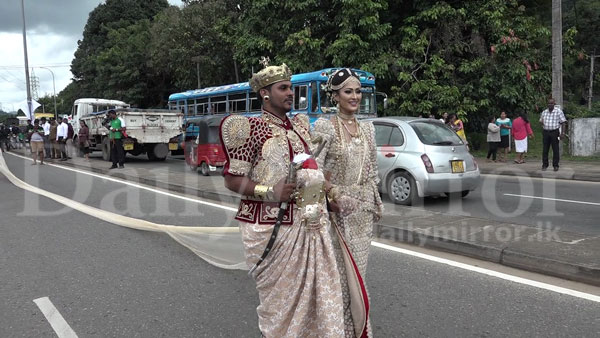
[474, 58]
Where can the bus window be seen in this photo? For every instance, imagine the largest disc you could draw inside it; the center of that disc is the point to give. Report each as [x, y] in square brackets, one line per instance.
[367, 104]
[201, 106]
[218, 104]
[314, 100]
[181, 106]
[326, 105]
[301, 97]
[191, 108]
[254, 104]
[237, 103]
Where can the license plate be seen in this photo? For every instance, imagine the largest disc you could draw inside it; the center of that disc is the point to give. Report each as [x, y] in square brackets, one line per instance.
[172, 146]
[458, 166]
[128, 146]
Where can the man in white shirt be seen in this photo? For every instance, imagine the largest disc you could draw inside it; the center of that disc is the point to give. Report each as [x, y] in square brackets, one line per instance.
[46, 136]
[553, 121]
[61, 137]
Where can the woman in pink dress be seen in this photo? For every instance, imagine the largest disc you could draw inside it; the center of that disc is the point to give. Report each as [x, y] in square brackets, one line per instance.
[520, 130]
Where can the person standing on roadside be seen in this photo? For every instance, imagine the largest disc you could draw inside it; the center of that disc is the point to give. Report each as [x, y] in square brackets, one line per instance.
[62, 131]
[36, 142]
[553, 122]
[444, 118]
[4, 145]
[54, 150]
[457, 125]
[83, 137]
[505, 126]
[69, 142]
[46, 126]
[521, 129]
[493, 138]
[117, 153]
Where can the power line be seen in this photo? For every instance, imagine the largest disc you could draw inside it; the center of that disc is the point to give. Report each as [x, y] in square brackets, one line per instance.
[18, 84]
[16, 78]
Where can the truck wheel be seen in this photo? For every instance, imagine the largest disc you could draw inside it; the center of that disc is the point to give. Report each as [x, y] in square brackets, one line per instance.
[204, 169]
[106, 149]
[158, 152]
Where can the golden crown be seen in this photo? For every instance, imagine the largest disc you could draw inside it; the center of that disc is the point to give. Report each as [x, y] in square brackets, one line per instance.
[270, 75]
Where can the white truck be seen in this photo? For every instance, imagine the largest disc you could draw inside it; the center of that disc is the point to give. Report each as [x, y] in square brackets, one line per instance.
[148, 130]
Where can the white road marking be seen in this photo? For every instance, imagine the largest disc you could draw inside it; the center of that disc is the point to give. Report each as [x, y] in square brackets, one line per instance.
[553, 199]
[492, 273]
[464, 266]
[108, 178]
[56, 320]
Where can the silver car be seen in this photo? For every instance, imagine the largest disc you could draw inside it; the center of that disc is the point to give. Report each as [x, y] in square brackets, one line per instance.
[420, 157]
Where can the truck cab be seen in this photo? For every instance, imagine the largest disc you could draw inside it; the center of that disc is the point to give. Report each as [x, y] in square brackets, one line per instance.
[86, 106]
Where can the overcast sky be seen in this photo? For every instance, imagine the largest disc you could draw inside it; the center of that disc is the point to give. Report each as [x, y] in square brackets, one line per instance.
[53, 28]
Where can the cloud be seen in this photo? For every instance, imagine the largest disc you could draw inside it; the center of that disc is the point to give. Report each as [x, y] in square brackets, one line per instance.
[53, 28]
[63, 17]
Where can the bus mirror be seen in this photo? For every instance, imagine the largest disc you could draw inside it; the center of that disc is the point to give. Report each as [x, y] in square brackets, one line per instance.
[383, 95]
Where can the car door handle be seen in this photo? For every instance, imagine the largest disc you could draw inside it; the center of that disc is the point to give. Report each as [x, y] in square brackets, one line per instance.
[390, 155]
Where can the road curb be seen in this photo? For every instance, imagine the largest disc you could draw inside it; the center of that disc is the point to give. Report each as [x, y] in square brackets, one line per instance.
[540, 174]
[504, 254]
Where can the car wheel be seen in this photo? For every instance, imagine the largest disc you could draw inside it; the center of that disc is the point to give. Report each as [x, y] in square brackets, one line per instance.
[204, 169]
[402, 189]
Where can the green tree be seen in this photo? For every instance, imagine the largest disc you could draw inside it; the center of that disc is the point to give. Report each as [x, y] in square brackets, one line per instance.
[310, 34]
[472, 58]
[109, 16]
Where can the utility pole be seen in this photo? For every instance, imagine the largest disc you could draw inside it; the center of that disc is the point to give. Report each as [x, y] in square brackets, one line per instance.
[196, 59]
[30, 113]
[557, 84]
[591, 92]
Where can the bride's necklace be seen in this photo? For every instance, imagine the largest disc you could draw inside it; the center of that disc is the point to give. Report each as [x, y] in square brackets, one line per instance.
[349, 118]
[355, 136]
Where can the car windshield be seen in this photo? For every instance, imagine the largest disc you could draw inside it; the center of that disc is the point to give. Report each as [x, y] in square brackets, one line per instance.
[433, 133]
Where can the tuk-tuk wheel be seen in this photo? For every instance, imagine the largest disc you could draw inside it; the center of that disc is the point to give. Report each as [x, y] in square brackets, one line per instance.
[204, 169]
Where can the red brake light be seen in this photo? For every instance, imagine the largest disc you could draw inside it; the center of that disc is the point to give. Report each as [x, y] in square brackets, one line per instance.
[427, 163]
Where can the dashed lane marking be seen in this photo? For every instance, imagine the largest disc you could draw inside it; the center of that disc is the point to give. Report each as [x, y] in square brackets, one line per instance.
[553, 199]
[56, 320]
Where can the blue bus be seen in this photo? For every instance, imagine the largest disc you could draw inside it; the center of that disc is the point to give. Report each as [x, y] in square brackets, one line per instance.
[309, 97]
